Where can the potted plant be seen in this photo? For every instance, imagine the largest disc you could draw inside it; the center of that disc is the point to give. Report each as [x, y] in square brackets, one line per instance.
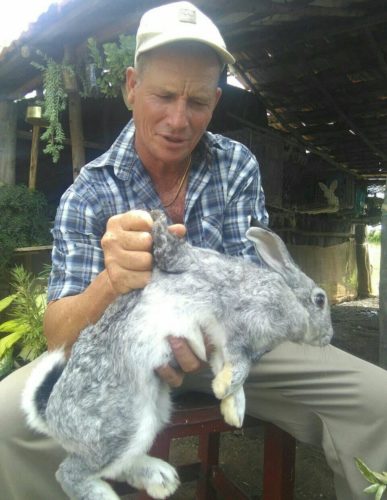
[107, 64]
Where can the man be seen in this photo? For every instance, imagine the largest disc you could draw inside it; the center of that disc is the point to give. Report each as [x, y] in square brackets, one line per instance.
[210, 188]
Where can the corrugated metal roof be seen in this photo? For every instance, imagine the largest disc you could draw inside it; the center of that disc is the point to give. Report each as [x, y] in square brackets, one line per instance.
[319, 66]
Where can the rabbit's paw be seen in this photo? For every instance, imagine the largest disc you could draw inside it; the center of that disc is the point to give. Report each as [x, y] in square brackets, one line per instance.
[161, 479]
[222, 382]
[233, 408]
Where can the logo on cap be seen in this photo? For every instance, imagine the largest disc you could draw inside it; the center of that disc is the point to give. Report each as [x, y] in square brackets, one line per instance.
[187, 15]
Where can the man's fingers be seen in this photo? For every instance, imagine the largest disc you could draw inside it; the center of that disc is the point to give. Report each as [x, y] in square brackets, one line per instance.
[184, 356]
[136, 220]
[129, 240]
[178, 229]
[129, 261]
[174, 378]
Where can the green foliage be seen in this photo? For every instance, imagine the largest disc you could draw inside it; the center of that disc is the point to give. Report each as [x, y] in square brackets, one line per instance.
[21, 334]
[55, 101]
[112, 61]
[378, 480]
[374, 236]
[23, 222]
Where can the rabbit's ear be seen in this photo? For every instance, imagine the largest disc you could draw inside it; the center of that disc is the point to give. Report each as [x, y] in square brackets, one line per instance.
[171, 254]
[271, 249]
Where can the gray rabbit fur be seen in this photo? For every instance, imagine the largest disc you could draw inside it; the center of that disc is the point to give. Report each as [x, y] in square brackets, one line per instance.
[106, 404]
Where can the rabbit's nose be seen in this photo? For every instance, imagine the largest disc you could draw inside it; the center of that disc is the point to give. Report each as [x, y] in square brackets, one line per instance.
[319, 300]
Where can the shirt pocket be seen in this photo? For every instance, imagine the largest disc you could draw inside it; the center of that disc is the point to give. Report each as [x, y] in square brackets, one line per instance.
[212, 231]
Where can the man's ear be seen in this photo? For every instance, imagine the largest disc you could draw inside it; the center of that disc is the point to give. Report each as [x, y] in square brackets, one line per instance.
[131, 81]
[217, 95]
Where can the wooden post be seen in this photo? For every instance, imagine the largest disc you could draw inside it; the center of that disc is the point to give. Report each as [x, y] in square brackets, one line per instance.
[75, 119]
[383, 288]
[34, 157]
[76, 133]
[363, 264]
[8, 115]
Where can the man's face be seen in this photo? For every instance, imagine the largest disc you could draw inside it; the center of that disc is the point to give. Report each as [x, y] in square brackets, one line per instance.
[173, 99]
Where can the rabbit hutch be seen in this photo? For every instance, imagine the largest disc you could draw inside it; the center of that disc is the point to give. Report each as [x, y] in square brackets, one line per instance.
[312, 106]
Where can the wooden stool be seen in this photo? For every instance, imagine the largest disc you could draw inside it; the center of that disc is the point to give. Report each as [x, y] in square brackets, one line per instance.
[199, 415]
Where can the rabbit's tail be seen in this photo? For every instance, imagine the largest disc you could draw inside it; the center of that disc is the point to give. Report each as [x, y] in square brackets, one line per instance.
[39, 386]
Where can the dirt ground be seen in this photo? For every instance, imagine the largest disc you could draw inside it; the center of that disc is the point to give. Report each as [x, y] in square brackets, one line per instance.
[356, 331]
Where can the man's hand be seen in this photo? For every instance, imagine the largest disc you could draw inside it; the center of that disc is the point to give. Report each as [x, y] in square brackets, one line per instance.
[127, 246]
[186, 359]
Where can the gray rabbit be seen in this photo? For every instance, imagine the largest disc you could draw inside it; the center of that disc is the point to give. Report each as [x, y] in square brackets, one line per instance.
[105, 404]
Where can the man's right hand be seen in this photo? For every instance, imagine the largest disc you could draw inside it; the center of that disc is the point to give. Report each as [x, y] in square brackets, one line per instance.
[127, 245]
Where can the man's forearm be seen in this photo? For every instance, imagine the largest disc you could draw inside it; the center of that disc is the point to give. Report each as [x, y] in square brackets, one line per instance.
[67, 317]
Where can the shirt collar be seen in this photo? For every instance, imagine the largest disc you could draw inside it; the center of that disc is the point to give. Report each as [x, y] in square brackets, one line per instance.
[122, 155]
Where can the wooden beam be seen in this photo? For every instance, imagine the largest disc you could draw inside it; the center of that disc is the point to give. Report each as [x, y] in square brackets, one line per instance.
[240, 41]
[75, 119]
[34, 157]
[8, 117]
[377, 51]
[352, 125]
[340, 166]
[76, 133]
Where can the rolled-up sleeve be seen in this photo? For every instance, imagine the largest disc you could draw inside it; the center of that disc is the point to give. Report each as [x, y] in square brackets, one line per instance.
[77, 256]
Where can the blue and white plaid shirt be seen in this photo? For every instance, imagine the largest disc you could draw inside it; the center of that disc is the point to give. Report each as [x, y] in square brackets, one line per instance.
[224, 192]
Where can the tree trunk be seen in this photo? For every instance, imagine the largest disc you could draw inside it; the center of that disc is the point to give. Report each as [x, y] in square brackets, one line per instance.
[383, 288]
[8, 115]
[363, 262]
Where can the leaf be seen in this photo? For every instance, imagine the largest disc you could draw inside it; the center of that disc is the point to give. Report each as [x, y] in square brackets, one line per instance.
[6, 363]
[8, 341]
[367, 473]
[373, 488]
[4, 303]
[12, 326]
[381, 477]
[381, 490]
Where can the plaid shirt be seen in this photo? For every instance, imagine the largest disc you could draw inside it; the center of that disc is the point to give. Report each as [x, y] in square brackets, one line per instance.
[224, 192]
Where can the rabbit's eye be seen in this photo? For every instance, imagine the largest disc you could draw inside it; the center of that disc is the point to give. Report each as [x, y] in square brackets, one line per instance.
[319, 299]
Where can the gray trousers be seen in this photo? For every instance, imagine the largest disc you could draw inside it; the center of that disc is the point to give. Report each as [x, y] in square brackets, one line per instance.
[322, 396]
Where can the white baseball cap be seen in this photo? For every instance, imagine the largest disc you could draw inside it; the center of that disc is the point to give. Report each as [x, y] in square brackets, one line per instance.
[179, 21]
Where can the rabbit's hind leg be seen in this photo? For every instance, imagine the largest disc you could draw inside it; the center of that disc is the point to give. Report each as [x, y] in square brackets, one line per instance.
[232, 375]
[157, 477]
[233, 408]
[80, 482]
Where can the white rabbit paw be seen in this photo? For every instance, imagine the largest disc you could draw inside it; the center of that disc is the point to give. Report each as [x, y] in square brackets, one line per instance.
[160, 479]
[232, 413]
[222, 382]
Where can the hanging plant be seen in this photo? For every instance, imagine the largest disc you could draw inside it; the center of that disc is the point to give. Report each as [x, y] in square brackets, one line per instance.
[55, 102]
[107, 65]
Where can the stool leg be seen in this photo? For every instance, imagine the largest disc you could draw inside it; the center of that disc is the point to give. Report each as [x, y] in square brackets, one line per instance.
[279, 463]
[208, 454]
